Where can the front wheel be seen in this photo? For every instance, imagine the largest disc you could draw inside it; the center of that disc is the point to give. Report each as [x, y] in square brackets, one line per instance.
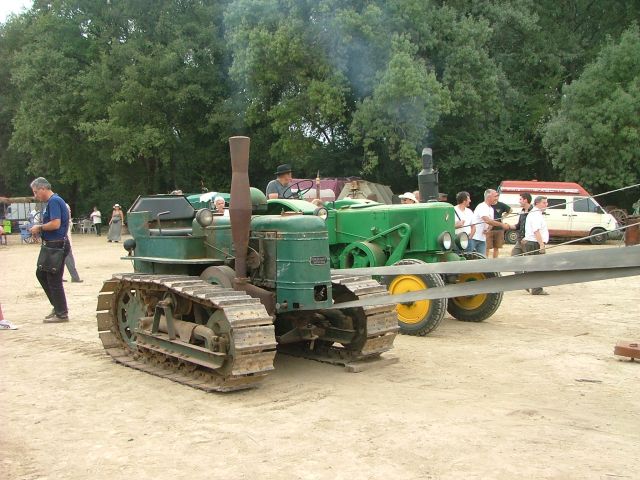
[474, 308]
[599, 238]
[422, 317]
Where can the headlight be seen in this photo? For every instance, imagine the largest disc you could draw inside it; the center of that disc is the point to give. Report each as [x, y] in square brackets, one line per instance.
[129, 245]
[204, 217]
[462, 240]
[445, 240]
[321, 212]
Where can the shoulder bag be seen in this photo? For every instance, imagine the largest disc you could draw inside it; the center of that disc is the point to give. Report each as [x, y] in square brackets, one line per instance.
[50, 259]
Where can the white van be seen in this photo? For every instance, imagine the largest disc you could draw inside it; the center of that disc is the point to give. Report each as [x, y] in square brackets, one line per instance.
[571, 212]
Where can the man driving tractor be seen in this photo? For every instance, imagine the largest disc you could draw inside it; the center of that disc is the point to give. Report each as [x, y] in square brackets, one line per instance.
[277, 187]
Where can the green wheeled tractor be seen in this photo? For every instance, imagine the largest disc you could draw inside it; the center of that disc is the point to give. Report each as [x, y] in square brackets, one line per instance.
[213, 297]
[363, 233]
[368, 234]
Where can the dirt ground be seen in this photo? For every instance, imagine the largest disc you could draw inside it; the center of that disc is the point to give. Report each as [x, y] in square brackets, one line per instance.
[533, 392]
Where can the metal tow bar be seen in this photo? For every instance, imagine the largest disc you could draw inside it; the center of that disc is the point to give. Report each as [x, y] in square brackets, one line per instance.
[538, 271]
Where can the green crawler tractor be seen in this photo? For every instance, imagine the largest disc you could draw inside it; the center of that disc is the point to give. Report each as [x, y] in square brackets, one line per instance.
[213, 296]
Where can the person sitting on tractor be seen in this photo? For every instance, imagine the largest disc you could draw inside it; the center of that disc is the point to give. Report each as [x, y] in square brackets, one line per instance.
[219, 203]
[277, 187]
[408, 198]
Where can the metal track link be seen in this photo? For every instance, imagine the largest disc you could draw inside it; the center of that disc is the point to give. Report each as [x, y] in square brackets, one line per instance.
[251, 329]
[381, 320]
[380, 327]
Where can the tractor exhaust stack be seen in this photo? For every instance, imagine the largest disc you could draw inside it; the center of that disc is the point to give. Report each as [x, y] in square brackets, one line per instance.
[240, 204]
[428, 178]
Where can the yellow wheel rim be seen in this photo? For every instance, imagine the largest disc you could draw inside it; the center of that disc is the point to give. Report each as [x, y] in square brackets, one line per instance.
[472, 301]
[413, 312]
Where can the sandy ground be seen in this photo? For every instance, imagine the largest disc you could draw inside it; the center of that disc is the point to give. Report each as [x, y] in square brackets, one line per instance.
[534, 392]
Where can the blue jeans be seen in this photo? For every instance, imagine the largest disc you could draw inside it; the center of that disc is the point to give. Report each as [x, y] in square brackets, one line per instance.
[478, 246]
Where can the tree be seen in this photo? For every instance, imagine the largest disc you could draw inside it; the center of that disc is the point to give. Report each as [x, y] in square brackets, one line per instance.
[14, 179]
[45, 72]
[595, 136]
[363, 83]
[112, 100]
[148, 100]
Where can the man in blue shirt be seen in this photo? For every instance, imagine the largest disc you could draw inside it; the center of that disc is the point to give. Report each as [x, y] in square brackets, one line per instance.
[53, 230]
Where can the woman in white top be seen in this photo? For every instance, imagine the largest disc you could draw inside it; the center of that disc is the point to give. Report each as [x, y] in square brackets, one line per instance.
[219, 203]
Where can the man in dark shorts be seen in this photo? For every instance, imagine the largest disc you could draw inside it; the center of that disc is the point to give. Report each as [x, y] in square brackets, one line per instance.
[495, 236]
[53, 230]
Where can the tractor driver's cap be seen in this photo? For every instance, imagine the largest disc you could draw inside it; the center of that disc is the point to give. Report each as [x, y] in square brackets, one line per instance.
[409, 196]
[282, 169]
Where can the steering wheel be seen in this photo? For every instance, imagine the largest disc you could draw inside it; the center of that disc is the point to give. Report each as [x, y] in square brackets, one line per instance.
[303, 187]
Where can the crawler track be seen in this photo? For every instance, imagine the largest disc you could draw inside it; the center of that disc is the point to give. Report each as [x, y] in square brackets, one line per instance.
[376, 326]
[250, 343]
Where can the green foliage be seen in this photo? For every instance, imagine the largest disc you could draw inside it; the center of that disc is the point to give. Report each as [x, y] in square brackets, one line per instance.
[113, 99]
[595, 136]
[406, 102]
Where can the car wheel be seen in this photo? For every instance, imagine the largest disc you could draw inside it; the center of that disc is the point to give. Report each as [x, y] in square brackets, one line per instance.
[599, 236]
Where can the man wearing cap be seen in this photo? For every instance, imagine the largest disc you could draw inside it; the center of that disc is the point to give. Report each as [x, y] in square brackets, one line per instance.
[277, 187]
[55, 223]
[408, 198]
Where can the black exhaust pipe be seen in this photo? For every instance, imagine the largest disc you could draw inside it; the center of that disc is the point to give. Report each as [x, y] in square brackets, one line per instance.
[428, 178]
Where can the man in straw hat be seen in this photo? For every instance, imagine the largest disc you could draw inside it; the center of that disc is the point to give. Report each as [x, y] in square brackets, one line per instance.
[277, 187]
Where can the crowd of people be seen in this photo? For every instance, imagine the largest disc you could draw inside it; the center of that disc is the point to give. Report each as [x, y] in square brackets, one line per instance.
[486, 230]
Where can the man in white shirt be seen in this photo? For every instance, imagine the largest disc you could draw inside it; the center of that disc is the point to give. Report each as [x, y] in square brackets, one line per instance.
[96, 218]
[483, 221]
[464, 215]
[536, 233]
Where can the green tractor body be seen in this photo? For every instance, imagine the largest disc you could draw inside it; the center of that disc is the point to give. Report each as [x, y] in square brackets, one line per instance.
[293, 249]
[367, 234]
[363, 233]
